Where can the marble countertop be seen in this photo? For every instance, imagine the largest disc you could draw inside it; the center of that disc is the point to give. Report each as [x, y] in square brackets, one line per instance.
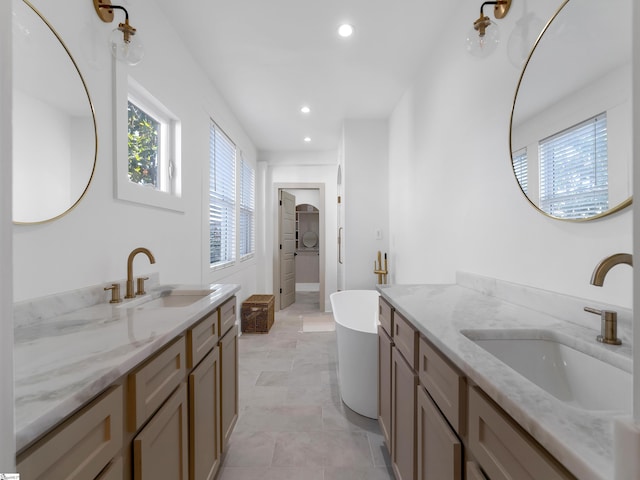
[64, 361]
[581, 440]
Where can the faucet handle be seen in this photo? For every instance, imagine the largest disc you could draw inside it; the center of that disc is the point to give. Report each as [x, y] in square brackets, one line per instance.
[115, 292]
[608, 326]
[140, 290]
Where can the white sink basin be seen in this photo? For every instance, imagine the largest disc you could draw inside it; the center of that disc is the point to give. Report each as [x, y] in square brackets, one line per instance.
[172, 299]
[568, 374]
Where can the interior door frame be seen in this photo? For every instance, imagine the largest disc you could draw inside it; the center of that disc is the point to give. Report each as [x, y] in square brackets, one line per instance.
[322, 234]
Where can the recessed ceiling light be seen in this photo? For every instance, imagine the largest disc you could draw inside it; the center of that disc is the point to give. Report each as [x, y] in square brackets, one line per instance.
[307, 139]
[345, 30]
[305, 109]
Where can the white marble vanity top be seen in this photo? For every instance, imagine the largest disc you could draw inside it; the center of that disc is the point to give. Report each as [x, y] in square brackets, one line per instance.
[64, 361]
[581, 440]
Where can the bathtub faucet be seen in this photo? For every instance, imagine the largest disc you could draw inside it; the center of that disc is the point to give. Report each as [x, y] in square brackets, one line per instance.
[378, 270]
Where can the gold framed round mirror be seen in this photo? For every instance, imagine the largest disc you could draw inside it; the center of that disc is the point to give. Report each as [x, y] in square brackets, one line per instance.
[570, 129]
[55, 140]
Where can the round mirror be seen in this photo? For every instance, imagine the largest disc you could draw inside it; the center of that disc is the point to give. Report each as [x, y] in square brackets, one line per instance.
[570, 133]
[54, 129]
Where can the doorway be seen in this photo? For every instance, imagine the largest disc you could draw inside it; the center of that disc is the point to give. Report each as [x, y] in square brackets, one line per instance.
[299, 265]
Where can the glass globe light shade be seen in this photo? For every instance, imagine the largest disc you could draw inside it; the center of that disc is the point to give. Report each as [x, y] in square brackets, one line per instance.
[485, 45]
[131, 51]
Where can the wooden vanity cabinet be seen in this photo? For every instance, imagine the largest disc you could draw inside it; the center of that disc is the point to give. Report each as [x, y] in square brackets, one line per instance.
[170, 417]
[82, 446]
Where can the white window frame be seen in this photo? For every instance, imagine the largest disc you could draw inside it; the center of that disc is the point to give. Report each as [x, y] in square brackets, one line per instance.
[222, 196]
[247, 217]
[581, 150]
[127, 88]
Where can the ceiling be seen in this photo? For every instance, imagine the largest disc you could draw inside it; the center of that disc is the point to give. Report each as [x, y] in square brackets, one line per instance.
[269, 58]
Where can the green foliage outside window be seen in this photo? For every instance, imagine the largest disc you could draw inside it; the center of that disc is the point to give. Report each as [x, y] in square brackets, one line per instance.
[143, 147]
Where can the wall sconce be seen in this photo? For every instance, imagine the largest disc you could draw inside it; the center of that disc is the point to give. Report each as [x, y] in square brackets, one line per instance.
[484, 37]
[125, 43]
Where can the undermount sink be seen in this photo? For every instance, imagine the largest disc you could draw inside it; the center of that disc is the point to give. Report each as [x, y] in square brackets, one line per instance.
[171, 299]
[568, 374]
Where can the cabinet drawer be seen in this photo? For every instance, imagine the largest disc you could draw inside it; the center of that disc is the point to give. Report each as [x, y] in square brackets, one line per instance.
[385, 316]
[503, 449]
[445, 384]
[151, 384]
[201, 339]
[227, 315]
[405, 338]
[82, 446]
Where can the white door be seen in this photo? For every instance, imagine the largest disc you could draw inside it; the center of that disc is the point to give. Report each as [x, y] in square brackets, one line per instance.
[287, 216]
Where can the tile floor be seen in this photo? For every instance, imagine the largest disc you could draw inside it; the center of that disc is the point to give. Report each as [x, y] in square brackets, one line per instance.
[292, 423]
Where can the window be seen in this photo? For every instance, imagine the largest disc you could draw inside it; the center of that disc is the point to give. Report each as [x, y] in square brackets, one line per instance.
[150, 144]
[145, 133]
[222, 200]
[520, 168]
[574, 170]
[247, 209]
[148, 169]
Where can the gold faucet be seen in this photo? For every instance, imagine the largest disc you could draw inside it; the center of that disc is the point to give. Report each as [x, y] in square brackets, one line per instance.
[608, 318]
[379, 270]
[130, 292]
[606, 264]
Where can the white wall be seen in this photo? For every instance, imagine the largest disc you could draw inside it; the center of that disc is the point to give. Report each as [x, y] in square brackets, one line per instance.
[90, 245]
[453, 201]
[296, 168]
[365, 201]
[7, 437]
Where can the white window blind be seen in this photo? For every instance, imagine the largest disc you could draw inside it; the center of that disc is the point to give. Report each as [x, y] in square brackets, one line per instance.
[574, 170]
[222, 197]
[247, 209]
[520, 167]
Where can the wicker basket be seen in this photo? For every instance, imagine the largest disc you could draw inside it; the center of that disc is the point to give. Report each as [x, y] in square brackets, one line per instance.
[257, 314]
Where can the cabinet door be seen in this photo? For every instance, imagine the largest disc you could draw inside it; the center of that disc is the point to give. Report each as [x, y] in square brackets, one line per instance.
[113, 471]
[204, 418]
[81, 447]
[474, 472]
[229, 384]
[503, 449]
[385, 347]
[439, 448]
[404, 381]
[160, 449]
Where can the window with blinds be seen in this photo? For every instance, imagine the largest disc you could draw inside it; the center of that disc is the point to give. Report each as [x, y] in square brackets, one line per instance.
[574, 170]
[247, 209]
[222, 197]
[519, 162]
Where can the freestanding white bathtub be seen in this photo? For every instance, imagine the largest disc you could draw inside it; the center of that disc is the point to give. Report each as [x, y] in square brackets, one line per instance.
[356, 316]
